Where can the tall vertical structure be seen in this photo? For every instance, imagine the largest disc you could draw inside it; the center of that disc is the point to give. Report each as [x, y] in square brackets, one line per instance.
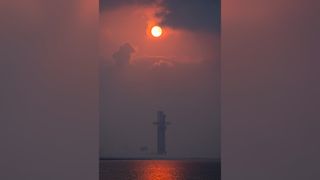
[161, 125]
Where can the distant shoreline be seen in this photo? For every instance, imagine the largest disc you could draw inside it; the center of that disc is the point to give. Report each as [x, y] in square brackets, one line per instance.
[159, 158]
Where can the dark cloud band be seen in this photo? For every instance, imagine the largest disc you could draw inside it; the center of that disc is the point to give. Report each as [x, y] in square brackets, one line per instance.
[193, 15]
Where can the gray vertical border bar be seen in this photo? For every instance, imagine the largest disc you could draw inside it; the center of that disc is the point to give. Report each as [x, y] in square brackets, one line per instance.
[49, 90]
[270, 89]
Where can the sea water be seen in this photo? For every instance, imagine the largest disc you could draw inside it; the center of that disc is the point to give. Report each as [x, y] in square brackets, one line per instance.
[159, 170]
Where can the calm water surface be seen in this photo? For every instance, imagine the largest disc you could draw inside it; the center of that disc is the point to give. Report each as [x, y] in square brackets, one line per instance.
[159, 170]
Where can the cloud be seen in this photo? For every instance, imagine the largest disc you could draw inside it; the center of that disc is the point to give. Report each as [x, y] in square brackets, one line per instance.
[123, 55]
[154, 62]
[161, 64]
[113, 4]
[193, 15]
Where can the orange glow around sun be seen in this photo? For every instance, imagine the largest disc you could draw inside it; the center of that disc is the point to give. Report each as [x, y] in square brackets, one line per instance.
[156, 31]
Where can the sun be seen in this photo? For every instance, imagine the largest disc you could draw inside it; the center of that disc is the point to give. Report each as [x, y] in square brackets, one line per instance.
[156, 31]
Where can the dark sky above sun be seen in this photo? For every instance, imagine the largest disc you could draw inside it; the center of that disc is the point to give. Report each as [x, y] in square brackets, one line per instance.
[177, 72]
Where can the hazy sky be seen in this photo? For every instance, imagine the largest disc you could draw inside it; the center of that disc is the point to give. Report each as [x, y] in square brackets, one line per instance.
[178, 73]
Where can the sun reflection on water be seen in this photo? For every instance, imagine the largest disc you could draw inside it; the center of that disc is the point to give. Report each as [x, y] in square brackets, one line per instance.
[160, 171]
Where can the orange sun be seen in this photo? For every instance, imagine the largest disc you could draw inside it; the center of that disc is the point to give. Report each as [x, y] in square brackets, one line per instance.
[156, 31]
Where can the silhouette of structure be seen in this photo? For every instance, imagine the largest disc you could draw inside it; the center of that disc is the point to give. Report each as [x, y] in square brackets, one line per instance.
[162, 125]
